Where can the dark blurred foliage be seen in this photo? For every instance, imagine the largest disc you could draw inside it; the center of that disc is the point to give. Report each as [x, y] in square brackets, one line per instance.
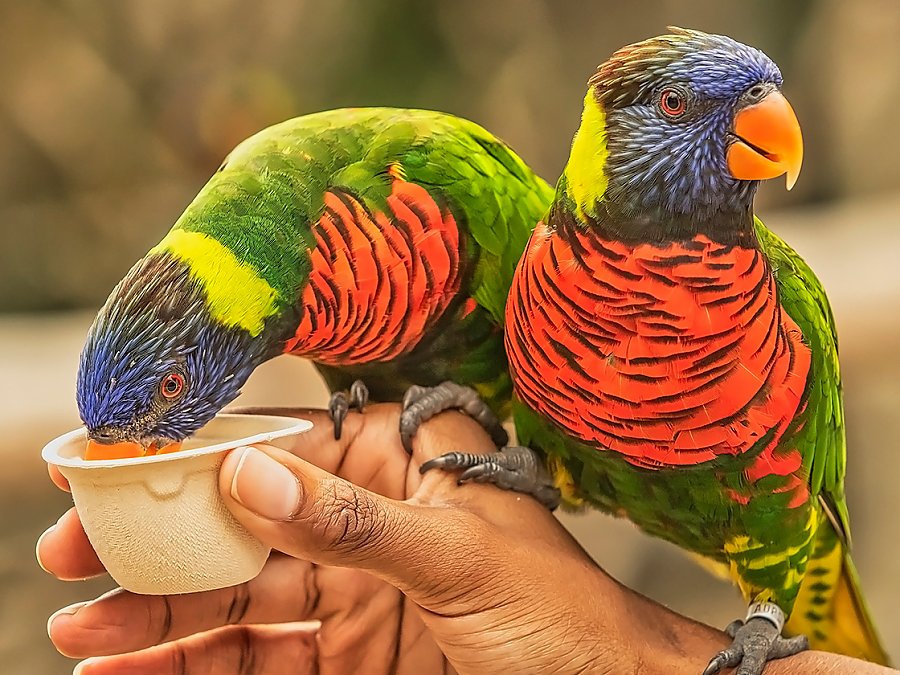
[112, 114]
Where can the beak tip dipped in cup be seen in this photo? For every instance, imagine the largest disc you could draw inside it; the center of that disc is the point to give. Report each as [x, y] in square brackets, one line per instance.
[158, 522]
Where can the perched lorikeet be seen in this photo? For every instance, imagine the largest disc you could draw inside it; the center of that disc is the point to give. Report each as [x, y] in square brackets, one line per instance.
[380, 243]
[673, 359]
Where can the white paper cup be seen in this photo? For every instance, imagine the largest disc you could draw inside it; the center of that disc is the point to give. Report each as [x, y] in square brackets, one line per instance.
[158, 523]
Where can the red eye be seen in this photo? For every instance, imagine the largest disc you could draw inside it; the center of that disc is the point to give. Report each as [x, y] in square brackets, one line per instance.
[171, 386]
[672, 102]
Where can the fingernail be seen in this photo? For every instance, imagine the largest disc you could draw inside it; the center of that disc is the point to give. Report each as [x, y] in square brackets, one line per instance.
[264, 486]
[68, 611]
[37, 548]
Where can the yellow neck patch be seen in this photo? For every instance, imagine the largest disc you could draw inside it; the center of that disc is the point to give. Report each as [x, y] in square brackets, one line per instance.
[585, 177]
[236, 295]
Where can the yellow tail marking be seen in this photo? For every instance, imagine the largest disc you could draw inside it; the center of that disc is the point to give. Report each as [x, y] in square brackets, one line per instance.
[235, 294]
[830, 610]
[564, 482]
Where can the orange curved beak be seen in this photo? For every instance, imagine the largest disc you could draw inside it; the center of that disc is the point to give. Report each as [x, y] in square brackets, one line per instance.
[769, 142]
[125, 450]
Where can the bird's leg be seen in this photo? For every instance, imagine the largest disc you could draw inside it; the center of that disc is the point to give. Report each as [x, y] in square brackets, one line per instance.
[340, 404]
[420, 404]
[755, 641]
[511, 468]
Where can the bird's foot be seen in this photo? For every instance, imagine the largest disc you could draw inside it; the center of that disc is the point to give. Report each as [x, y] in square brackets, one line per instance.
[512, 468]
[420, 404]
[756, 640]
[341, 403]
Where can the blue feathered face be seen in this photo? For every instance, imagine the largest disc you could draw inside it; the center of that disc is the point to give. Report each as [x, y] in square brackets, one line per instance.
[671, 105]
[155, 367]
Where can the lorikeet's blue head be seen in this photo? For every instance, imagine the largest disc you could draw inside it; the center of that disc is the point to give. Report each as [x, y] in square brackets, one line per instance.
[156, 365]
[682, 125]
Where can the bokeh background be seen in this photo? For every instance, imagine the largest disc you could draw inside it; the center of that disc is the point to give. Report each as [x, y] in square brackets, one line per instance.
[112, 115]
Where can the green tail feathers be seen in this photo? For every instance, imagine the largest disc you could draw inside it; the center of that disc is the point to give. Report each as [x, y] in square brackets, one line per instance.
[830, 608]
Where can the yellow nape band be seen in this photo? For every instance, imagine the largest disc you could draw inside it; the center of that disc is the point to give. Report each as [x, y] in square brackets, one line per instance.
[235, 294]
[585, 175]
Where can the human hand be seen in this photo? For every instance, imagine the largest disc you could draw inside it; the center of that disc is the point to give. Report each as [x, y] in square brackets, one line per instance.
[490, 581]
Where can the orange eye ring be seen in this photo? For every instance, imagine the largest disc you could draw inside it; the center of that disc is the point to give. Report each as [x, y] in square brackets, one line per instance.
[172, 386]
[672, 102]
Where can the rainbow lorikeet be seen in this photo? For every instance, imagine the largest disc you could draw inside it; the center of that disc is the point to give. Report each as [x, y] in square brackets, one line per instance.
[380, 243]
[673, 360]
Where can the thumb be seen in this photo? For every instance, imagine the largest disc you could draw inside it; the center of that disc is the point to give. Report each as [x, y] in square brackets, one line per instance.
[308, 513]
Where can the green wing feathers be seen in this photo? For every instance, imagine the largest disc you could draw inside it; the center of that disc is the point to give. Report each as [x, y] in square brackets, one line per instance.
[822, 440]
[288, 168]
[830, 608]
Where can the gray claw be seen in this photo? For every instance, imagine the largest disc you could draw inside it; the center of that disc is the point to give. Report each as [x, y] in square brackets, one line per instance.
[412, 394]
[513, 468]
[340, 405]
[359, 395]
[756, 642]
[420, 404]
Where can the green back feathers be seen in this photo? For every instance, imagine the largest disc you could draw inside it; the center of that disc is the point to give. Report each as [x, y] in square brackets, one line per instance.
[247, 234]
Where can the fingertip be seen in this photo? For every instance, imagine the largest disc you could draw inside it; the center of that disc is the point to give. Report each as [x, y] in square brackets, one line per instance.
[58, 479]
[65, 551]
[37, 548]
[57, 621]
[84, 667]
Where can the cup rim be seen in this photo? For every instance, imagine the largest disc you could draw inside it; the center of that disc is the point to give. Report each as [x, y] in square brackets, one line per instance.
[50, 453]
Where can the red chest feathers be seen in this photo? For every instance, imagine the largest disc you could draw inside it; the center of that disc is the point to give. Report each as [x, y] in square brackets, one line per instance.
[669, 355]
[379, 281]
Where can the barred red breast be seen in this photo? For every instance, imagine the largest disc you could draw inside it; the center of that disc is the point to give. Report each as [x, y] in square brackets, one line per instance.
[670, 355]
[379, 281]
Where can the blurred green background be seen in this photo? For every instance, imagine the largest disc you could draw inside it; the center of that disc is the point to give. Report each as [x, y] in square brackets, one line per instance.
[113, 114]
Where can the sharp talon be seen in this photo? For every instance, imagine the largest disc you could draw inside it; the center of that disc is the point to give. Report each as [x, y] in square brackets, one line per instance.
[359, 395]
[340, 405]
[409, 424]
[479, 474]
[448, 462]
[337, 410]
[513, 468]
[727, 658]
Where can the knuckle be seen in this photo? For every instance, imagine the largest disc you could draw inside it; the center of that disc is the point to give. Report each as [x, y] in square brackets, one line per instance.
[178, 661]
[347, 519]
[236, 604]
[160, 618]
[246, 653]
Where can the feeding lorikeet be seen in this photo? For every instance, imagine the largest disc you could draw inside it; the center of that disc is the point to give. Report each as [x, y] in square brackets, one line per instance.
[380, 243]
[676, 362]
